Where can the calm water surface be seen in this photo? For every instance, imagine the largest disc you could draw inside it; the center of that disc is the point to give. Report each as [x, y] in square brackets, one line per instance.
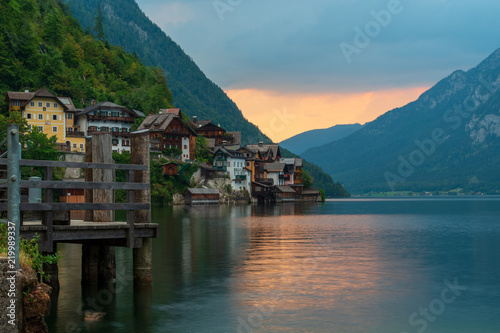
[356, 265]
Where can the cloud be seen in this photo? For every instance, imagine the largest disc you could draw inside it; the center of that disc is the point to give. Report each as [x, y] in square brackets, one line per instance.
[282, 115]
[282, 45]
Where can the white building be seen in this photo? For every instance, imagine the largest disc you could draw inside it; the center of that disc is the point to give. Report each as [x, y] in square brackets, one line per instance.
[233, 164]
[109, 117]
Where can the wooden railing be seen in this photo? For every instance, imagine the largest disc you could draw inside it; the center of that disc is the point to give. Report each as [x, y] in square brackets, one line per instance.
[48, 206]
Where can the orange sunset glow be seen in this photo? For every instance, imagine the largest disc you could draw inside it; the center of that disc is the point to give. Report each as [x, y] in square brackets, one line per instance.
[283, 115]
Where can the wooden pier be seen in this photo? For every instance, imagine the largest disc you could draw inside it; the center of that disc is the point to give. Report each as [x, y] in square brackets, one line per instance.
[98, 234]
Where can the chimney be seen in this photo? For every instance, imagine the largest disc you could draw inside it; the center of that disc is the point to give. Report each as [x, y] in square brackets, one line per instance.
[26, 90]
[195, 119]
[261, 143]
[93, 102]
[160, 112]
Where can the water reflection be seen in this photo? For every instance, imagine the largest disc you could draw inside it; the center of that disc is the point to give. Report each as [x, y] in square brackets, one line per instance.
[346, 266]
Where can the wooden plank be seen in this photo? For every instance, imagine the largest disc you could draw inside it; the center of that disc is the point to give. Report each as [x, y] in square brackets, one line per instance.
[54, 184]
[48, 216]
[83, 165]
[130, 213]
[24, 206]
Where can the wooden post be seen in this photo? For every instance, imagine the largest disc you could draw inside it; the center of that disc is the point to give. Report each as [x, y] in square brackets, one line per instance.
[89, 195]
[143, 257]
[102, 152]
[98, 262]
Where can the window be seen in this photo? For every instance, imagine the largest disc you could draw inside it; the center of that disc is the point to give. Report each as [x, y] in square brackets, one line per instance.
[55, 105]
[70, 129]
[229, 164]
[40, 104]
[54, 129]
[40, 116]
[47, 105]
[81, 145]
[40, 128]
[185, 147]
[115, 142]
[69, 115]
[28, 116]
[32, 104]
[74, 145]
[54, 117]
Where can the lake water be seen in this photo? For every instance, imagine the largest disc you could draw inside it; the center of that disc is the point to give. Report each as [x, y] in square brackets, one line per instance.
[358, 265]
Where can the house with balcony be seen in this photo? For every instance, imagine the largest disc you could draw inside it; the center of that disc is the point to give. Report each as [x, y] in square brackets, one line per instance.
[216, 135]
[51, 114]
[169, 132]
[232, 163]
[275, 172]
[293, 171]
[108, 117]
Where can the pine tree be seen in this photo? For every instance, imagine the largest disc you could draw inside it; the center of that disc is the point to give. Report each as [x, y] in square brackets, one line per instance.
[99, 25]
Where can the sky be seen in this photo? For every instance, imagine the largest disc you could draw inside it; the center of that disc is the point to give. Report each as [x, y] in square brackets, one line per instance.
[293, 65]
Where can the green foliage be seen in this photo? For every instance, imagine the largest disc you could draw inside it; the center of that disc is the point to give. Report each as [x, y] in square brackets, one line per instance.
[164, 187]
[121, 175]
[172, 152]
[99, 25]
[307, 179]
[30, 249]
[40, 147]
[322, 194]
[194, 93]
[203, 153]
[14, 118]
[41, 45]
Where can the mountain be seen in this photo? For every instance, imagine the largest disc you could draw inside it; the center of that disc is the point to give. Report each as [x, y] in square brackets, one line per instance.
[448, 138]
[126, 25]
[301, 142]
[41, 44]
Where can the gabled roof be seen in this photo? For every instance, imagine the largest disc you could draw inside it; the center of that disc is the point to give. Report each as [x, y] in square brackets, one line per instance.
[311, 191]
[43, 92]
[104, 105]
[274, 167]
[283, 189]
[139, 113]
[297, 162]
[202, 191]
[202, 124]
[229, 152]
[266, 150]
[160, 122]
[68, 102]
[157, 122]
[176, 112]
[236, 137]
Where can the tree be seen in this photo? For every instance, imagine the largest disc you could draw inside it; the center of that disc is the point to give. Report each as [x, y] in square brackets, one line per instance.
[306, 179]
[99, 25]
[203, 154]
[40, 147]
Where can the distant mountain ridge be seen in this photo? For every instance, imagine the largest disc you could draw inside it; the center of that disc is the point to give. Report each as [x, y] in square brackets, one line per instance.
[448, 138]
[301, 142]
[126, 25]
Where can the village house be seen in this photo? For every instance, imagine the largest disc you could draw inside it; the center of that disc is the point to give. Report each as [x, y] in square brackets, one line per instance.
[232, 163]
[216, 135]
[108, 117]
[268, 152]
[275, 172]
[167, 132]
[52, 115]
[293, 170]
[170, 169]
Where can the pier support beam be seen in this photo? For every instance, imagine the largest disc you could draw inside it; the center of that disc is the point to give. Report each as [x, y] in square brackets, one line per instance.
[143, 261]
[98, 262]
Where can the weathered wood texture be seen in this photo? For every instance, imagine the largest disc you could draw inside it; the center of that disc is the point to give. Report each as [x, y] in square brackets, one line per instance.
[102, 153]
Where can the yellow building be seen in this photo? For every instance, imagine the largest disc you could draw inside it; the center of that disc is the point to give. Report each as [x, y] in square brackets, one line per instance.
[51, 114]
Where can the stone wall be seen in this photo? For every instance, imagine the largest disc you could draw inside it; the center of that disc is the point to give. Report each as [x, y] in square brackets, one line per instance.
[10, 291]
